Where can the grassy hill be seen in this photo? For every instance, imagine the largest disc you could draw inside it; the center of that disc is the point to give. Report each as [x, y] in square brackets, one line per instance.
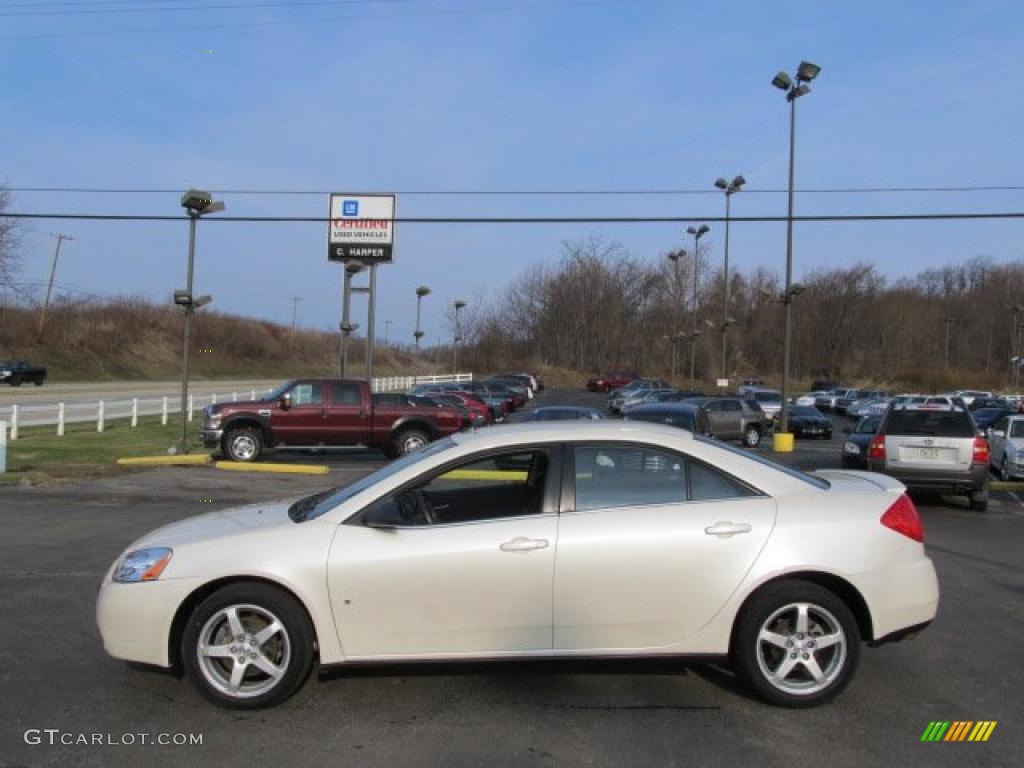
[135, 339]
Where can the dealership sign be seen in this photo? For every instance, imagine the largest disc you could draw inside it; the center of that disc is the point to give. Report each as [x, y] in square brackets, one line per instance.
[362, 228]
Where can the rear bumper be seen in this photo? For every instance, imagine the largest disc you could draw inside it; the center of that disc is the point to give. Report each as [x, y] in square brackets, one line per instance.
[949, 481]
[903, 599]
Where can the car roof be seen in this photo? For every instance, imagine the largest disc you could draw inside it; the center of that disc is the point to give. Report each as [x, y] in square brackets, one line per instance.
[681, 407]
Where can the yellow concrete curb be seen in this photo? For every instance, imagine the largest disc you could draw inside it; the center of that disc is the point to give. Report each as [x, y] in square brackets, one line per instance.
[285, 469]
[1006, 485]
[165, 461]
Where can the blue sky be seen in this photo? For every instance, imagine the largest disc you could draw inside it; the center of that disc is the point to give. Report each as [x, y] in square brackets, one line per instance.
[499, 94]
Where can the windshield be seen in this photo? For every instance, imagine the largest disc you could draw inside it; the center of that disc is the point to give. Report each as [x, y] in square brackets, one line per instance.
[806, 411]
[868, 426]
[313, 506]
[768, 397]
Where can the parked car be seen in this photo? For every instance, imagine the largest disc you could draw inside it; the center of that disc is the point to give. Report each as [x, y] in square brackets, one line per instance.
[770, 401]
[675, 395]
[933, 448]
[688, 416]
[811, 398]
[951, 401]
[561, 413]
[968, 395]
[519, 389]
[1006, 447]
[860, 408]
[808, 421]
[987, 417]
[479, 412]
[18, 372]
[858, 438]
[641, 396]
[666, 543]
[991, 402]
[749, 385]
[909, 399]
[618, 398]
[498, 406]
[612, 380]
[732, 418]
[1017, 401]
[843, 402]
[324, 412]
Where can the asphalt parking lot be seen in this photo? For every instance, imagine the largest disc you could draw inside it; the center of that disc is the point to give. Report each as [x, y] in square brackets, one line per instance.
[58, 542]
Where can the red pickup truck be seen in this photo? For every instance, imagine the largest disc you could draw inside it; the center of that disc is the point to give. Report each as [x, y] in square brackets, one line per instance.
[612, 380]
[307, 412]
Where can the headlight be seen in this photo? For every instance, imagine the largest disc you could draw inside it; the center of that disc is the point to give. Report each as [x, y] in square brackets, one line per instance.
[849, 447]
[142, 565]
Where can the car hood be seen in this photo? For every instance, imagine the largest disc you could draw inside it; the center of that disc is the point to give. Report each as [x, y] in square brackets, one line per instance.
[217, 525]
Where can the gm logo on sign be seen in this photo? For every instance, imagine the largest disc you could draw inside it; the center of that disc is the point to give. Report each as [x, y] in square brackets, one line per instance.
[350, 208]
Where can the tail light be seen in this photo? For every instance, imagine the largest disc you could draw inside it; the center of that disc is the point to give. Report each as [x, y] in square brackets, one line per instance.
[876, 450]
[980, 451]
[902, 517]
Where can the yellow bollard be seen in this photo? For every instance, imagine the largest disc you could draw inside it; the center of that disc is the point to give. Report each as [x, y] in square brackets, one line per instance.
[782, 442]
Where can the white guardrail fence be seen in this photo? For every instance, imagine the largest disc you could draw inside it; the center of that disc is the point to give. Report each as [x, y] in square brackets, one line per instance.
[102, 411]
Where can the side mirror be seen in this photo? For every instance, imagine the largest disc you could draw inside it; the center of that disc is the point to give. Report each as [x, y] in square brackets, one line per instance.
[385, 515]
[286, 401]
[847, 431]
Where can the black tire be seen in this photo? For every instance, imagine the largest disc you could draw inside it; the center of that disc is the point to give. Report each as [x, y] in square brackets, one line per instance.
[752, 437]
[978, 500]
[408, 440]
[243, 444]
[290, 649]
[15, 381]
[1004, 470]
[39, 382]
[797, 689]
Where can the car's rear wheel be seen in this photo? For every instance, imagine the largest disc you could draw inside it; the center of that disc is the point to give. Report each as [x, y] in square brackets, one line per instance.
[15, 381]
[248, 646]
[978, 500]
[243, 444]
[752, 437]
[39, 382]
[795, 644]
[1004, 470]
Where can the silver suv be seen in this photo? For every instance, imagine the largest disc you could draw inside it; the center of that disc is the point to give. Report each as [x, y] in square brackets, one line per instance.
[933, 448]
[732, 418]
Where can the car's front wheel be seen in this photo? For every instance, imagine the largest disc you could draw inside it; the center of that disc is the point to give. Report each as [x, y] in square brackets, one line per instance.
[409, 440]
[243, 444]
[248, 645]
[795, 644]
[1004, 470]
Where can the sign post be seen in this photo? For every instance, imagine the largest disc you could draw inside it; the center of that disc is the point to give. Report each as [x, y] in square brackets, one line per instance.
[361, 232]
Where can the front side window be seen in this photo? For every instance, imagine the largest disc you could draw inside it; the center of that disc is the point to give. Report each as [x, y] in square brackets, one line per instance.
[499, 486]
[307, 394]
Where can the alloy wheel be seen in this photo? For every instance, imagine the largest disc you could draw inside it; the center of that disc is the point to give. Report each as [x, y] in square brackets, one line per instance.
[801, 649]
[243, 447]
[243, 651]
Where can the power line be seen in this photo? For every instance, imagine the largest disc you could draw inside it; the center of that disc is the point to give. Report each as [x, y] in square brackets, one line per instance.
[664, 192]
[78, 10]
[539, 219]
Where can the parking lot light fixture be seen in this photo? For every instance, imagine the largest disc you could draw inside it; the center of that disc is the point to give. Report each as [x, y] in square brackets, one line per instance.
[794, 90]
[698, 233]
[730, 188]
[420, 293]
[196, 203]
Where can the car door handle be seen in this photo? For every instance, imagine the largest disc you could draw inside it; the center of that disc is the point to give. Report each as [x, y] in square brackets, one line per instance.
[725, 528]
[523, 544]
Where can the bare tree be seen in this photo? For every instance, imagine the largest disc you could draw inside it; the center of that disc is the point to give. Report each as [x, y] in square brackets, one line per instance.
[10, 237]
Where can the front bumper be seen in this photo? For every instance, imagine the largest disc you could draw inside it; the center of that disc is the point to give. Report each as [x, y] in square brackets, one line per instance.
[135, 619]
[945, 480]
[210, 438]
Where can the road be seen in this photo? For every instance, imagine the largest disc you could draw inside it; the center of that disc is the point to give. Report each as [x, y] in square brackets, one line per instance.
[57, 543]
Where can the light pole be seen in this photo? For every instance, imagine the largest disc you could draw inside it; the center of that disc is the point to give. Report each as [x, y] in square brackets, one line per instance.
[698, 233]
[420, 293]
[676, 257]
[197, 203]
[730, 188]
[794, 90]
[459, 304]
[347, 327]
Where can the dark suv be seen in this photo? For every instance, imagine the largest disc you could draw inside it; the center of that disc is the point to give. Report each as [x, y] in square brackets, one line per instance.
[933, 448]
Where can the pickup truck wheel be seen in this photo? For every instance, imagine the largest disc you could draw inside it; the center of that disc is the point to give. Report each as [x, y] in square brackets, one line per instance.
[409, 440]
[39, 382]
[752, 437]
[15, 381]
[243, 444]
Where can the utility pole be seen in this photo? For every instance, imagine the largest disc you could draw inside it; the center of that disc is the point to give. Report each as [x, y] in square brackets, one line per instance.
[387, 331]
[49, 286]
[295, 312]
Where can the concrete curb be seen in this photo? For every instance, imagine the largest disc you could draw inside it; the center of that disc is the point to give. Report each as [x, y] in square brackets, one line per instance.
[283, 469]
[165, 461]
[1006, 485]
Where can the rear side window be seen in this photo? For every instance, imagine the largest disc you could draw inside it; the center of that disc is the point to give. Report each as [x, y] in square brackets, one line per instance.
[929, 423]
[707, 484]
[344, 393]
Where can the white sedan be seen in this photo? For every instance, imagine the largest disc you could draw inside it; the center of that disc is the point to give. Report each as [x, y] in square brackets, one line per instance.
[599, 539]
